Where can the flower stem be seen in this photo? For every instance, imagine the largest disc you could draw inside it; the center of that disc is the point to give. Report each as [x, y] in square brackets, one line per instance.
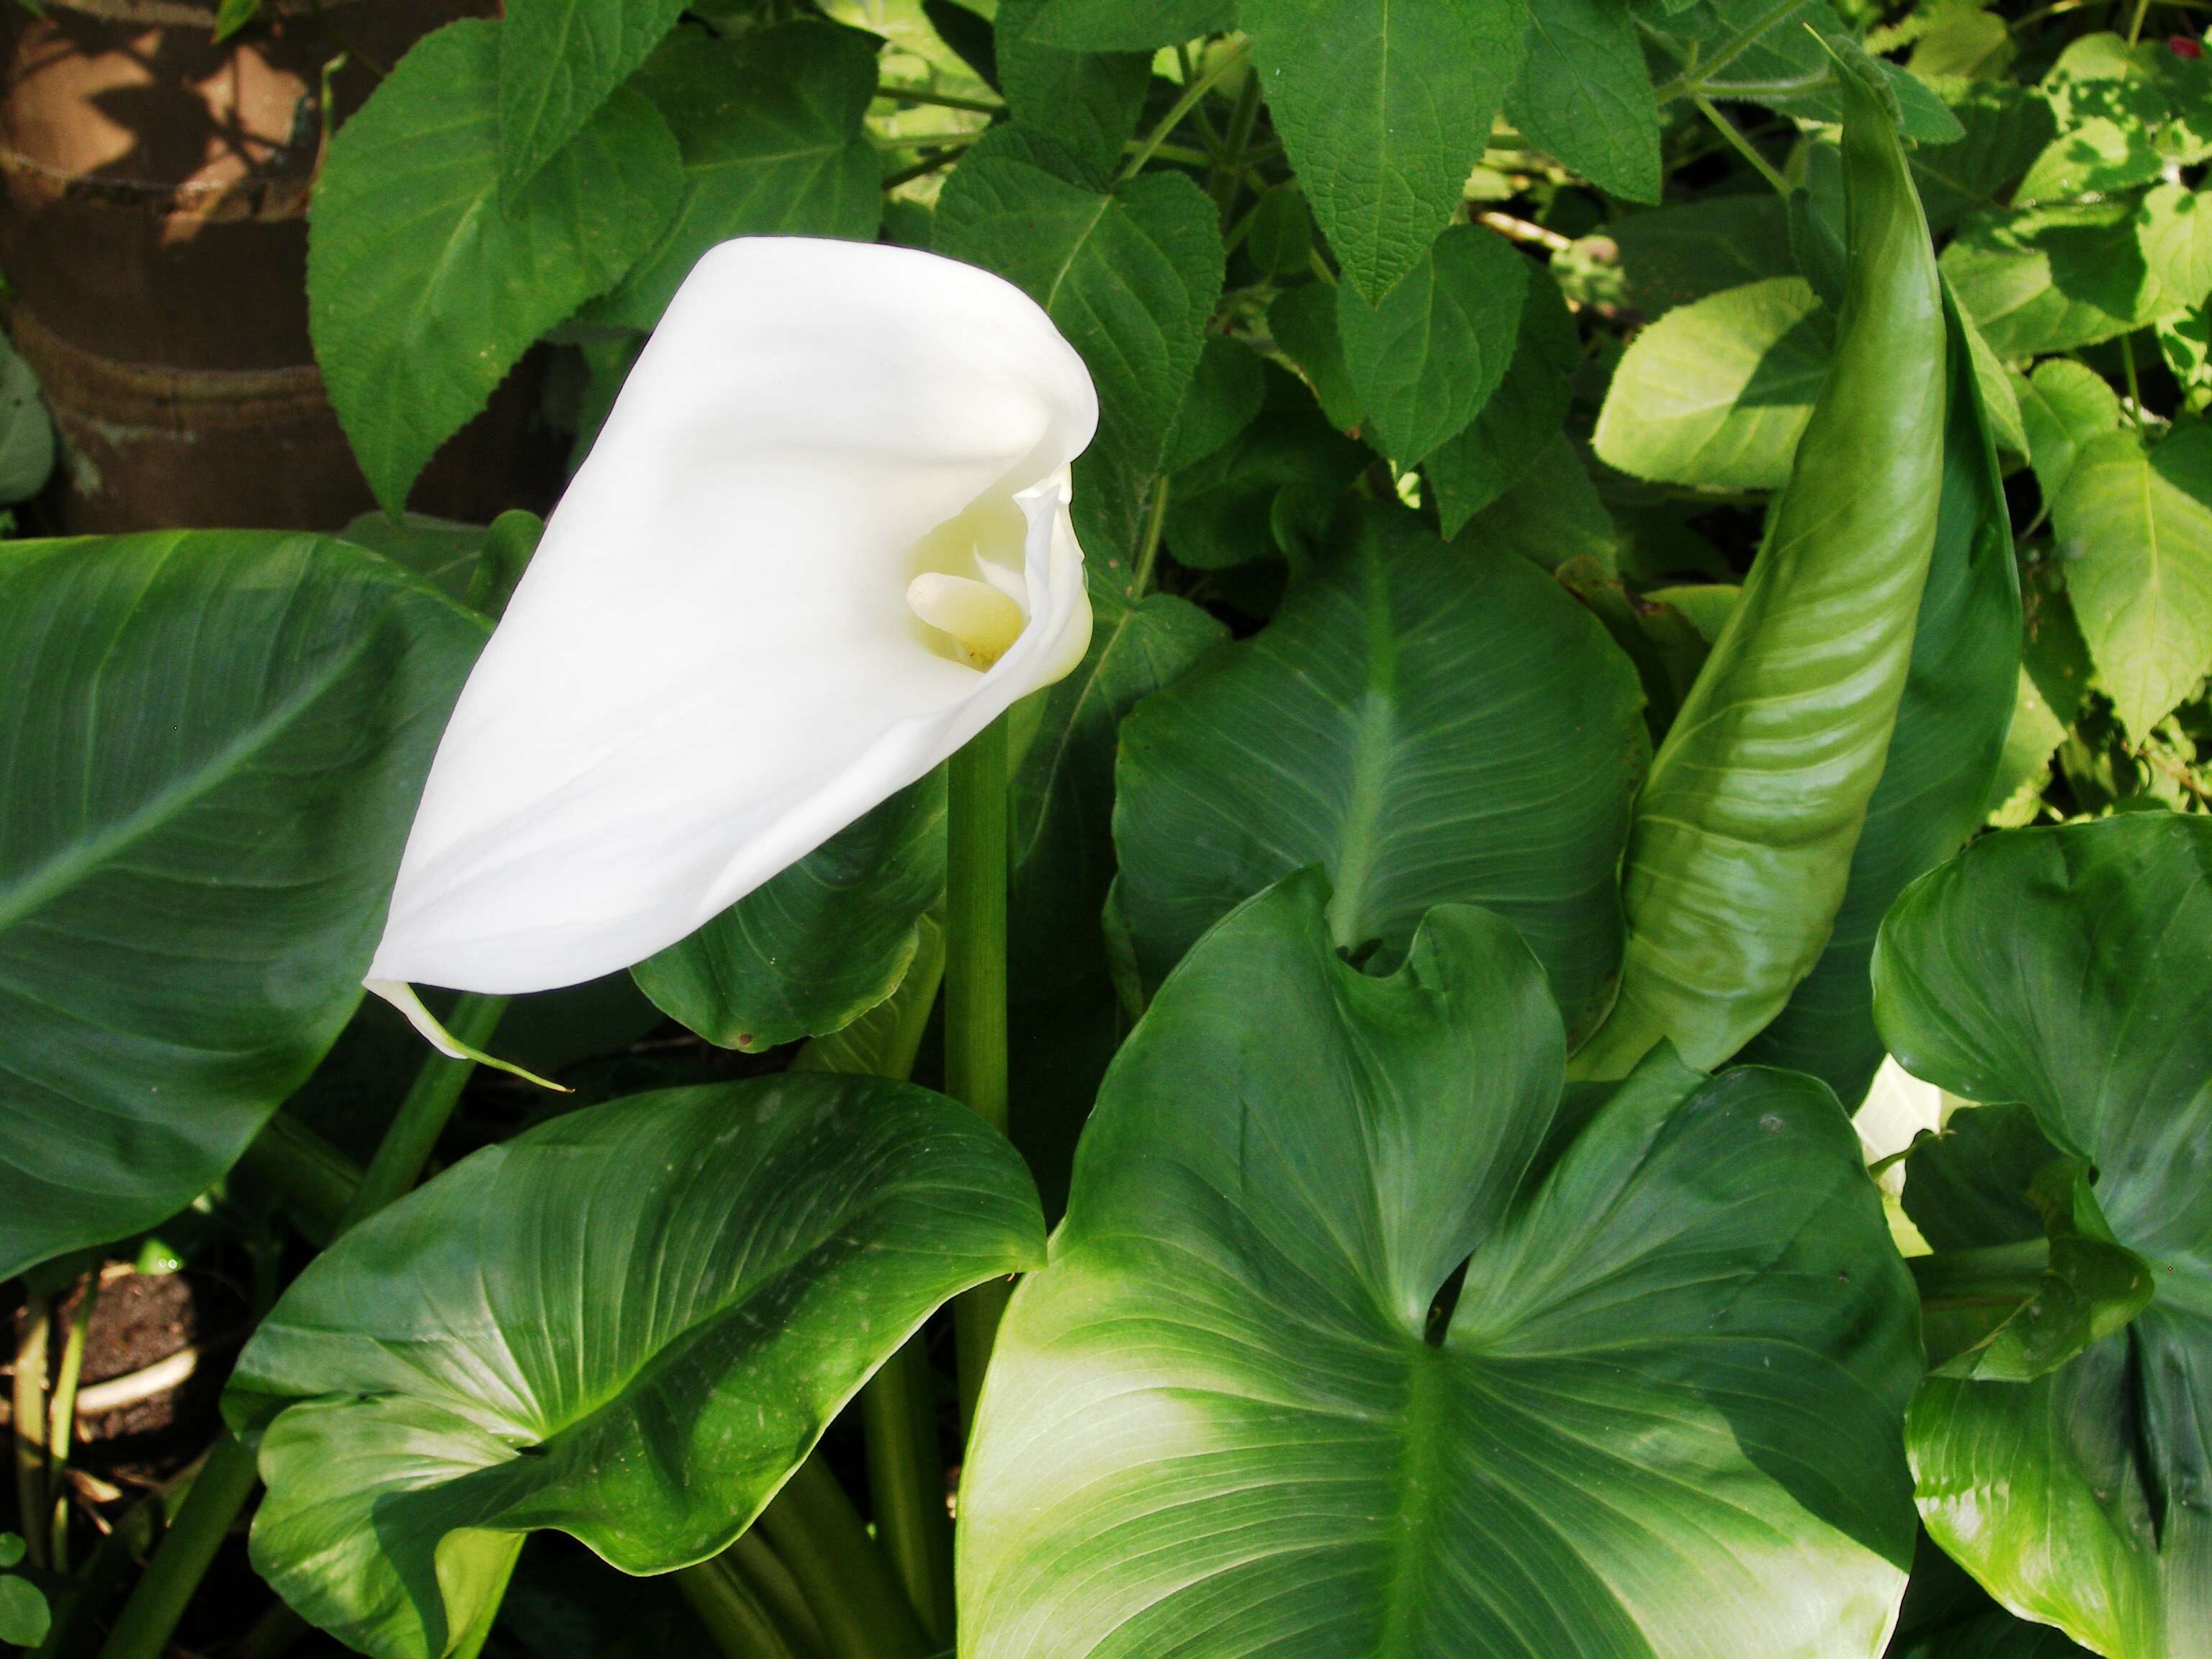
[1742, 145]
[34, 1321]
[1224, 61]
[61, 1421]
[975, 993]
[946, 100]
[815, 1533]
[188, 1548]
[741, 1627]
[905, 1485]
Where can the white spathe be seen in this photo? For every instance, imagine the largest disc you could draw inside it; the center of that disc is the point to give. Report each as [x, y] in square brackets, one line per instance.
[713, 663]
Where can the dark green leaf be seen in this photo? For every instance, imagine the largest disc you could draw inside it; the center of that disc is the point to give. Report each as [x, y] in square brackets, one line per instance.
[1520, 419]
[2071, 970]
[770, 128]
[1220, 510]
[1226, 394]
[24, 1615]
[1673, 255]
[1304, 322]
[1585, 95]
[1225, 1421]
[1280, 241]
[1129, 24]
[1425, 361]
[1553, 515]
[216, 743]
[630, 1323]
[1130, 276]
[559, 63]
[423, 285]
[1951, 723]
[816, 947]
[1385, 106]
[2006, 128]
[1427, 727]
[1089, 102]
[1716, 393]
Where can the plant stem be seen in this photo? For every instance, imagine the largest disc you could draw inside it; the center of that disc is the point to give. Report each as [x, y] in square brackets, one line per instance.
[61, 1421]
[2136, 23]
[905, 1485]
[1742, 145]
[740, 1628]
[188, 1547]
[1693, 82]
[946, 100]
[920, 169]
[1229, 58]
[769, 1583]
[315, 1178]
[219, 1492]
[1228, 172]
[975, 993]
[817, 1535]
[34, 1322]
[413, 1134]
[1148, 551]
[2128, 368]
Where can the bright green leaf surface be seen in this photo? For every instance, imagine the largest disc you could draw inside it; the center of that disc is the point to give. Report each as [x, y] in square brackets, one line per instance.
[1520, 419]
[1935, 778]
[423, 286]
[1427, 726]
[1716, 393]
[24, 1616]
[559, 63]
[2174, 227]
[2135, 539]
[1385, 106]
[1744, 832]
[630, 1323]
[2071, 970]
[770, 128]
[1585, 95]
[815, 947]
[1424, 361]
[26, 431]
[2051, 279]
[1129, 276]
[2063, 407]
[215, 744]
[1222, 1422]
[1089, 102]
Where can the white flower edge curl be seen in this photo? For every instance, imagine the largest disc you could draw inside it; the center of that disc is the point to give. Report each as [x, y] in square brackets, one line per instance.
[821, 543]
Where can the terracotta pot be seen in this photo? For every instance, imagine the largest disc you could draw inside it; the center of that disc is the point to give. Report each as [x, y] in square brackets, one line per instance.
[153, 231]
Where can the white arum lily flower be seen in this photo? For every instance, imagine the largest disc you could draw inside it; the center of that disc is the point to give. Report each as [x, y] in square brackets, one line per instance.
[822, 541]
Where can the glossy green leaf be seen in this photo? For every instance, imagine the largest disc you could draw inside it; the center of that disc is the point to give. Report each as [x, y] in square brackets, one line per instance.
[630, 1323]
[1520, 419]
[1089, 102]
[1957, 705]
[814, 948]
[1687, 250]
[2063, 407]
[425, 283]
[1716, 393]
[1129, 273]
[1385, 106]
[1425, 361]
[1585, 95]
[1231, 1416]
[215, 744]
[1742, 842]
[1428, 727]
[2071, 970]
[769, 126]
[1129, 24]
[2135, 539]
[2049, 279]
[560, 61]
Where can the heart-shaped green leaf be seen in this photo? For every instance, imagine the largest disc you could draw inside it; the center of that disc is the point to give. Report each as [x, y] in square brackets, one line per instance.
[215, 743]
[630, 1323]
[1232, 1417]
[559, 63]
[1427, 726]
[2071, 970]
